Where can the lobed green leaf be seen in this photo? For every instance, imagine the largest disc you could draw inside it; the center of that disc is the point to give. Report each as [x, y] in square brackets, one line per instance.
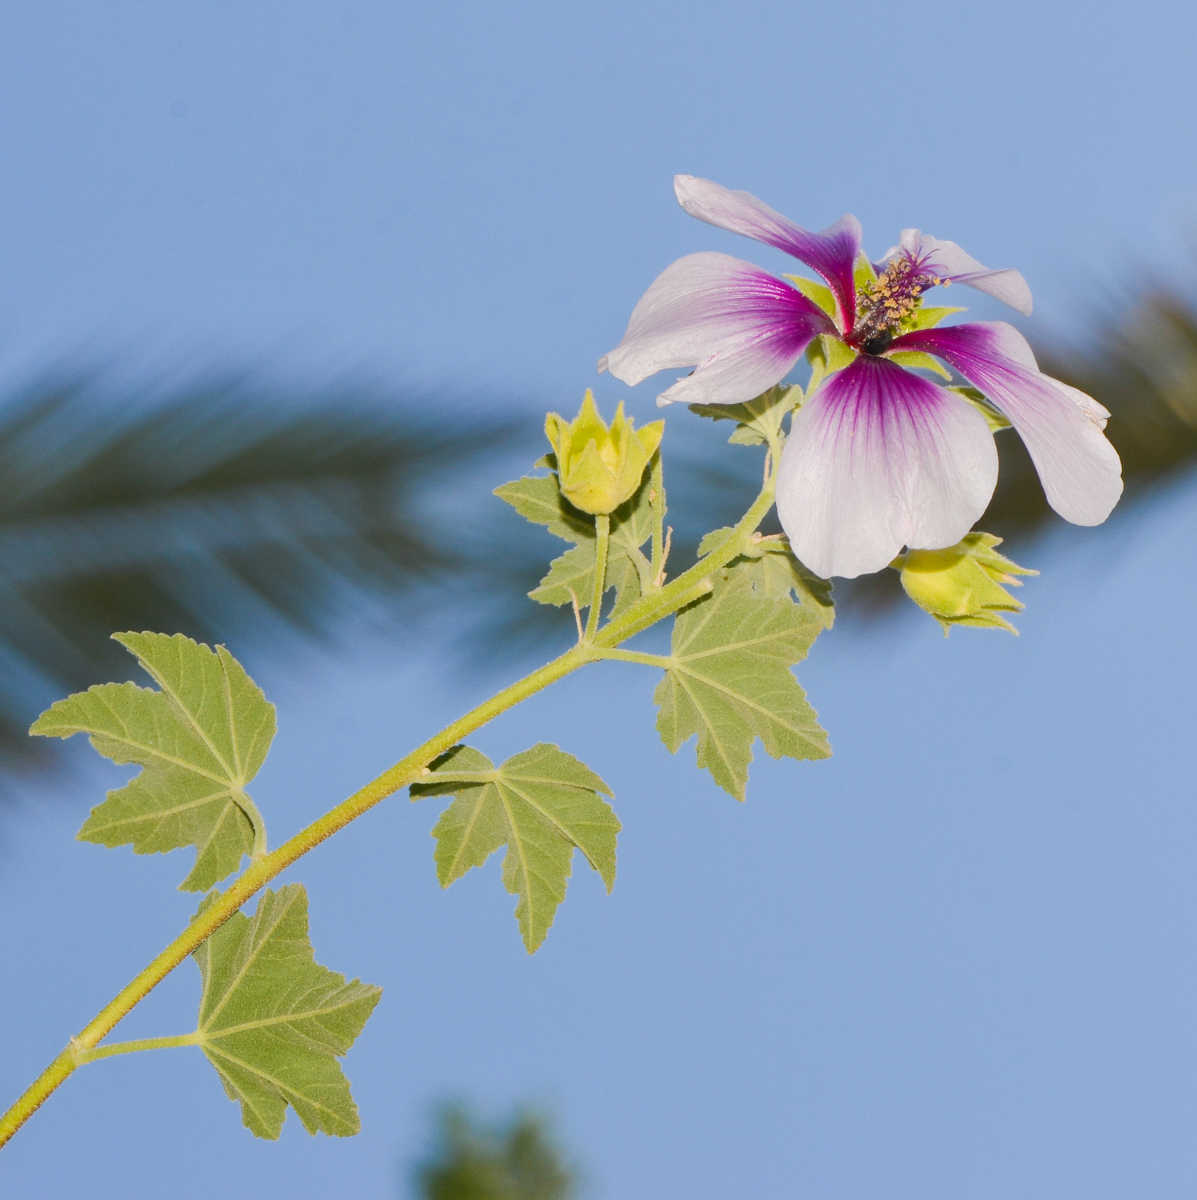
[199, 740]
[729, 680]
[273, 1022]
[541, 805]
[774, 571]
[538, 499]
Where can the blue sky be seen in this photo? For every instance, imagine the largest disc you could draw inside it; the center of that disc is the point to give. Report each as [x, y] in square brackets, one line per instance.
[955, 960]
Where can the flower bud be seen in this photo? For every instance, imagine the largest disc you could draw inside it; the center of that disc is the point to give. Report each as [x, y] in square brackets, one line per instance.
[599, 468]
[963, 585]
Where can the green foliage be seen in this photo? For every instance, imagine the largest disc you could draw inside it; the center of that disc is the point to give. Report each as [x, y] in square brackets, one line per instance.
[540, 804]
[273, 1022]
[729, 679]
[770, 564]
[758, 420]
[477, 1162]
[228, 508]
[571, 576]
[200, 740]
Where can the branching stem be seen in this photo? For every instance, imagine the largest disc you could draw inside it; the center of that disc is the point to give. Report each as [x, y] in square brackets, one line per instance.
[656, 604]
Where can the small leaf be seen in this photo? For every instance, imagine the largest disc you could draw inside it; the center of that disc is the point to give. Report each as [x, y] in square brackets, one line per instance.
[729, 680]
[273, 1022]
[200, 740]
[540, 804]
[774, 571]
[627, 567]
[538, 499]
[758, 420]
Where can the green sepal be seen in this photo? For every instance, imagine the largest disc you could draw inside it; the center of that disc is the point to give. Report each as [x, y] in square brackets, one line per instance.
[200, 739]
[820, 293]
[758, 421]
[993, 417]
[963, 584]
[775, 571]
[542, 805]
[864, 274]
[729, 680]
[826, 355]
[273, 1022]
[919, 360]
[927, 318]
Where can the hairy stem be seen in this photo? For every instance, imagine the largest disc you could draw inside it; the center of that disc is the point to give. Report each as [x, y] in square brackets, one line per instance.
[656, 604]
[602, 526]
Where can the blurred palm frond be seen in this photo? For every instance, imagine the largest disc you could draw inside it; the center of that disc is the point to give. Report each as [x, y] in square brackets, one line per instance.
[1142, 366]
[227, 510]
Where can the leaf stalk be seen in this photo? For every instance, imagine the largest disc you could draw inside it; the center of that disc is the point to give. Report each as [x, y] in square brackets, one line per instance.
[602, 528]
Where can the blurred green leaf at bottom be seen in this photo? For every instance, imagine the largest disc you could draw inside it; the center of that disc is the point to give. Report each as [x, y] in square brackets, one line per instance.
[518, 1160]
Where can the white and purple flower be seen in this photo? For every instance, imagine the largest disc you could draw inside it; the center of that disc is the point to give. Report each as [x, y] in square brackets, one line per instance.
[878, 457]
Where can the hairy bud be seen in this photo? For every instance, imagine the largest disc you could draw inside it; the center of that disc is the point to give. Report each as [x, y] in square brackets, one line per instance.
[963, 585]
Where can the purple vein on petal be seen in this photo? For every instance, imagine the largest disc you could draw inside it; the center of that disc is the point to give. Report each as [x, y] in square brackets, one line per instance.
[878, 459]
[741, 329]
[831, 253]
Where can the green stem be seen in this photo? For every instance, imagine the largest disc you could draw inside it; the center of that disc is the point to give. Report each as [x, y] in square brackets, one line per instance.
[657, 484]
[83, 1057]
[650, 608]
[602, 526]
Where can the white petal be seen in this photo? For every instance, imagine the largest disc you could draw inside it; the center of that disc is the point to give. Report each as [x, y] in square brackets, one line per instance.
[878, 459]
[1097, 413]
[739, 326]
[1061, 426]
